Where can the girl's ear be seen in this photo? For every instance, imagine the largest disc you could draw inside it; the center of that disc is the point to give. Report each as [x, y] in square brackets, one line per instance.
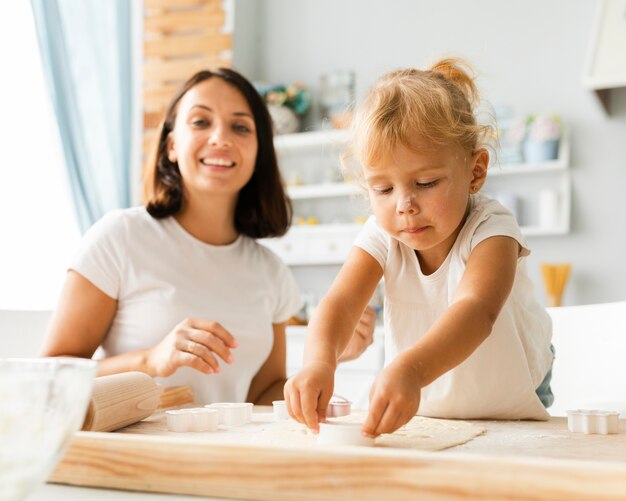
[480, 164]
[171, 151]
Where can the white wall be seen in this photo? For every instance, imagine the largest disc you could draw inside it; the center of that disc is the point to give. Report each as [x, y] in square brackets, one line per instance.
[530, 55]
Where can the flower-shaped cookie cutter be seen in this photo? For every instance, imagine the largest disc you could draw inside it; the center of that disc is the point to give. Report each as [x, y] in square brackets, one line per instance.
[196, 419]
[233, 413]
[593, 421]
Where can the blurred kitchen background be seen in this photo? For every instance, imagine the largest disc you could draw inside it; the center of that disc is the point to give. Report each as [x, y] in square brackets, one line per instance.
[534, 59]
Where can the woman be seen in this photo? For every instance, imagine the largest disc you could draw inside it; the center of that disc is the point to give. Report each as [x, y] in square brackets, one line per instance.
[180, 289]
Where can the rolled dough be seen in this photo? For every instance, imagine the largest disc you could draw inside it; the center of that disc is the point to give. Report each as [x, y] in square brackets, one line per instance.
[421, 433]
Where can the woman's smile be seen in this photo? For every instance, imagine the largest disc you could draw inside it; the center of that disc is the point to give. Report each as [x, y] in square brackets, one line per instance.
[218, 162]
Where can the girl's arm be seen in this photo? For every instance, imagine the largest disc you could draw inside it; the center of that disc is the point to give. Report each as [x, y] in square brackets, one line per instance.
[268, 383]
[83, 318]
[307, 393]
[484, 288]
[362, 337]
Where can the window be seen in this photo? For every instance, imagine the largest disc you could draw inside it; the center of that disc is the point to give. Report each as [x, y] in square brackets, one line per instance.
[38, 230]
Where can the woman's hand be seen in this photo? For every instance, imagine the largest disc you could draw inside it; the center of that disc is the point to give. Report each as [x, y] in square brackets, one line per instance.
[193, 343]
[394, 398]
[308, 392]
[362, 337]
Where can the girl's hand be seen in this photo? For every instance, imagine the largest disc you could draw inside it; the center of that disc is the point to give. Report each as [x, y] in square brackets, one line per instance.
[394, 399]
[308, 392]
[362, 337]
[193, 343]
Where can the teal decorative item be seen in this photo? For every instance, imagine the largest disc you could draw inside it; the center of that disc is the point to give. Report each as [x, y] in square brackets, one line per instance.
[542, 139]
[537, 151]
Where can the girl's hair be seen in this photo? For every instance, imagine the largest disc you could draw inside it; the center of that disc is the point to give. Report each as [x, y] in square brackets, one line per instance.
[436, 105]
[263, 208]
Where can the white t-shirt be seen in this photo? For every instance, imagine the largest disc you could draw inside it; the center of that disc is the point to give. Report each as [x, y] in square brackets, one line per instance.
[498, 380]
[160, 275]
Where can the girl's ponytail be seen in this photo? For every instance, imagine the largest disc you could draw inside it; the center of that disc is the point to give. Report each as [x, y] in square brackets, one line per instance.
[461, 74]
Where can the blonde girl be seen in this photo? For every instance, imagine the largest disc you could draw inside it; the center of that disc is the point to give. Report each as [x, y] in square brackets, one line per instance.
[464, 334]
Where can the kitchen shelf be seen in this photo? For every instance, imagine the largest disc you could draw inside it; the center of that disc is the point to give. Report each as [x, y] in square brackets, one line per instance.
[319, 194]
[559, 165]
[310, 141]
[322, 190]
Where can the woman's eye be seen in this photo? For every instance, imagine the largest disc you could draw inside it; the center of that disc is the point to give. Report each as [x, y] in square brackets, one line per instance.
[241, 128]
[199, 122]
[383, 191]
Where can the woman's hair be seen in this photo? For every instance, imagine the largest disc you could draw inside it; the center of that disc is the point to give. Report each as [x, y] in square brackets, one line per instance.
[263, 209]
[435, 105]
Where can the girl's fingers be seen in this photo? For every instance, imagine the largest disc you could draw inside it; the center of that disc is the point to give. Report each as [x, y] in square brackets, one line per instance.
[309, 400]
[388, 421]
[377, 410]
[293, 406]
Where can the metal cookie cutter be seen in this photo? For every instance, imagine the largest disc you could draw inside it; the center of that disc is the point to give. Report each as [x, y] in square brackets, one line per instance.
[337, 433]
[593, 421]
[338, 406]
[233, 413]
[197, 419]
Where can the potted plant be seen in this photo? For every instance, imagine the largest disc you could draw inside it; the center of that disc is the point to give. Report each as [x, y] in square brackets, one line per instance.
[543, 133]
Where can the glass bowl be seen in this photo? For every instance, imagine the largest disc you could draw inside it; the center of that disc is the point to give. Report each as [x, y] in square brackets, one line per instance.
[43, 401]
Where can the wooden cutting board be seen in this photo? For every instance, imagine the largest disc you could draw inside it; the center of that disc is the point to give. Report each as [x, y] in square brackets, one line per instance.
[512, 460]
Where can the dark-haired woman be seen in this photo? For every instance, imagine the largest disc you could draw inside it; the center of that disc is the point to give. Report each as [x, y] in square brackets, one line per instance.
[180, 289]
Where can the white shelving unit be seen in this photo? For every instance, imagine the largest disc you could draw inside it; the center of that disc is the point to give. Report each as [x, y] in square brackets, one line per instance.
[527, 181]
[310, 164]
[323, 190]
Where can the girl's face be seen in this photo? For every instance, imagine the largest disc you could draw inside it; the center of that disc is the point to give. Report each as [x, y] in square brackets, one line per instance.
[214, 139]
[420, 196]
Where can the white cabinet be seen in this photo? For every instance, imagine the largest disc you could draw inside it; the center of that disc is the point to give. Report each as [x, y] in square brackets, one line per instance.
[606, 65]
[332, 211]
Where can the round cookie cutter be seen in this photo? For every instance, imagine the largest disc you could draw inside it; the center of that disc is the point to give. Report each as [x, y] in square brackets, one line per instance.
[338, 433]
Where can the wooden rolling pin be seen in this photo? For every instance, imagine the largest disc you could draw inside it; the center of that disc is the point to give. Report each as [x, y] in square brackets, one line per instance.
[121, 399]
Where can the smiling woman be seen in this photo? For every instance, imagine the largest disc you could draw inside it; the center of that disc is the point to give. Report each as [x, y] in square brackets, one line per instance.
[39, 230]
[180, 289]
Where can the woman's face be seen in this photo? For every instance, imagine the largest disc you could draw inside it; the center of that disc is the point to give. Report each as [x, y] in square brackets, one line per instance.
[214, 140]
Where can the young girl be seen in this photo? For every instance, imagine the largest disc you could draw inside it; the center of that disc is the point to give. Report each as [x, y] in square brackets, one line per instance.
[464, 335]
[180, 289]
